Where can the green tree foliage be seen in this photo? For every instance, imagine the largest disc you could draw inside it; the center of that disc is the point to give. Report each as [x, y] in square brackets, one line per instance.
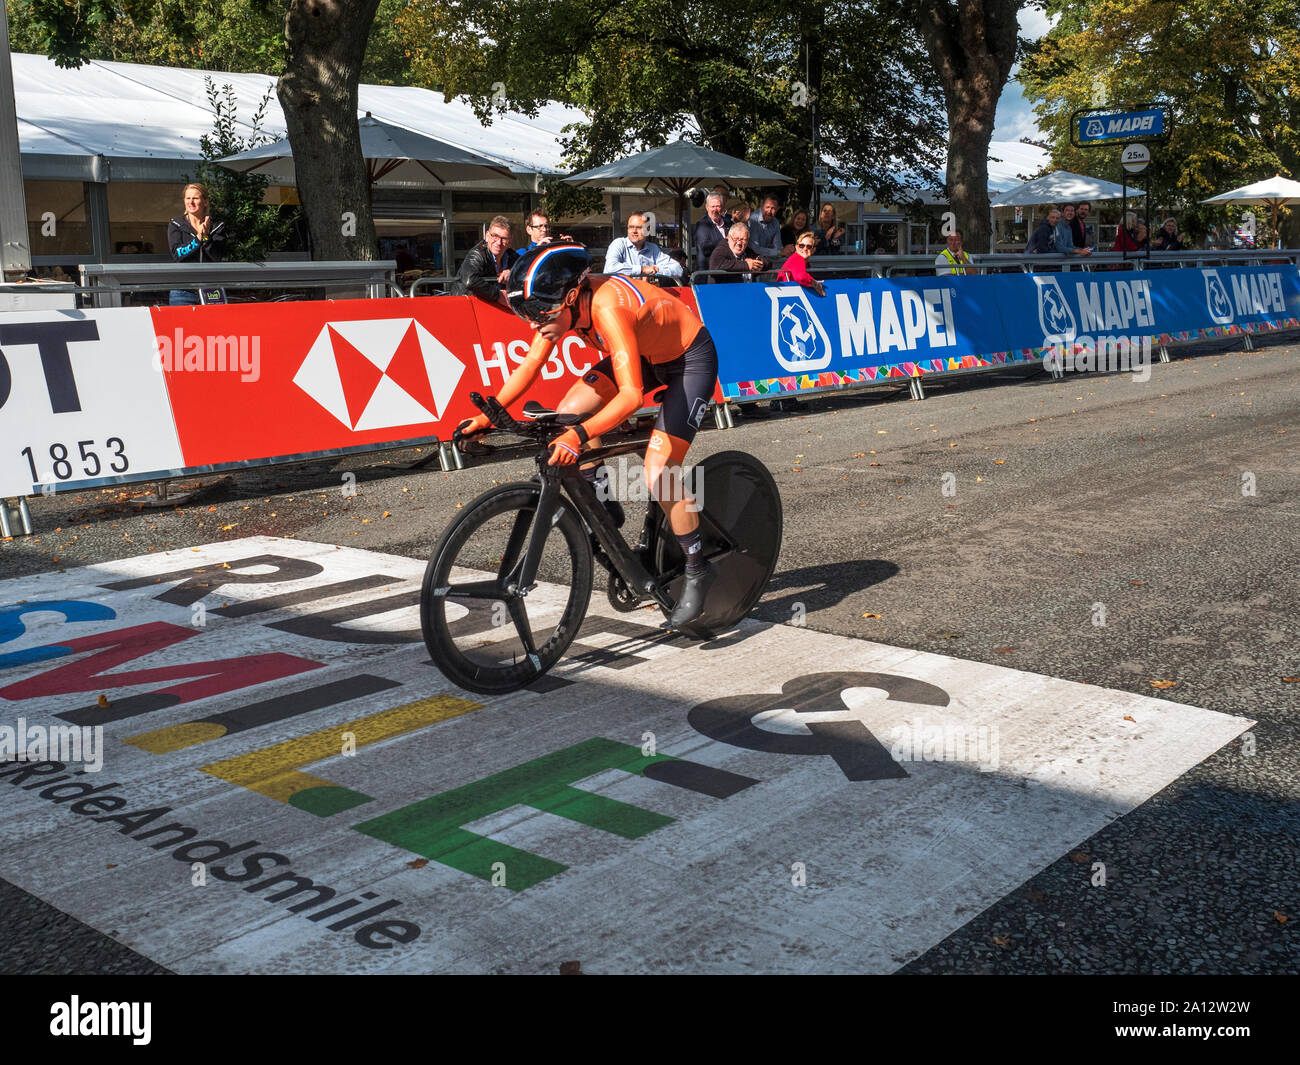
[252, 228]
[236, 36]
[746, 76]
[1228, 69]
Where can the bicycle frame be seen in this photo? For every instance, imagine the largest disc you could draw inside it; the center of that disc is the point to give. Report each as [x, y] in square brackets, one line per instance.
[557, 480]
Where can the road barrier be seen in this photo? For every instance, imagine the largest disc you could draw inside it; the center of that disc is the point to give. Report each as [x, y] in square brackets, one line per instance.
[106, 396]
[777, 340]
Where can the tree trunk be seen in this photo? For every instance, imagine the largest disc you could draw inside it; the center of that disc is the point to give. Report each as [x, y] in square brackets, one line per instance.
[318, 91]
[972, 44]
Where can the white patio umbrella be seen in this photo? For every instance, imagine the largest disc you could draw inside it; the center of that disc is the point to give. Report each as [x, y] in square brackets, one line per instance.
[1274, 192]
[678, 166]
[1061, 186]
[394, 156]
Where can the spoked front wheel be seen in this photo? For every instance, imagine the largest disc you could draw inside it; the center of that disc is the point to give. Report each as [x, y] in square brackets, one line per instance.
[741, 524]
[484, 636]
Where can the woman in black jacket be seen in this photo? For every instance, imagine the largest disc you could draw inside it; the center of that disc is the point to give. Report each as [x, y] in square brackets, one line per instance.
[194, 238]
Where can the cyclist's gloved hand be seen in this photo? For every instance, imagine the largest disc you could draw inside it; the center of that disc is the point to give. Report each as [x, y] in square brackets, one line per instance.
[477, 424]
[565, 448]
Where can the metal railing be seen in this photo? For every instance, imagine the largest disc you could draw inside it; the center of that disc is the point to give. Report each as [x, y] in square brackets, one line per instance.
[106, 282]
[829, 267]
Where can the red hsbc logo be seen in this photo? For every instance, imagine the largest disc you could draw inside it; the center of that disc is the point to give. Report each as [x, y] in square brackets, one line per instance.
[380, 373]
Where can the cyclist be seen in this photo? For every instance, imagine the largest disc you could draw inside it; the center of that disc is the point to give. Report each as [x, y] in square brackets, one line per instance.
[650, 339]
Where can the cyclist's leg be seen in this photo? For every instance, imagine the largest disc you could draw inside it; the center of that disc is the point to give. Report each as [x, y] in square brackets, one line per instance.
[690, 381]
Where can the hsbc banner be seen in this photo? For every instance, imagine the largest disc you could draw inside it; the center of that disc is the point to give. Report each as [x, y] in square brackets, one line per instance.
[81, 401]
[784, 338]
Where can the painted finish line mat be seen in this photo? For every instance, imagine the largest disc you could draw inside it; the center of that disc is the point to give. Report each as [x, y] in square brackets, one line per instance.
[288, 785]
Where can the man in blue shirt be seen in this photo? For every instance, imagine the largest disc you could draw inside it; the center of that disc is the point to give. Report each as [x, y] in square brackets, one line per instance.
[765, 231]
[634, 256]
[538, 228]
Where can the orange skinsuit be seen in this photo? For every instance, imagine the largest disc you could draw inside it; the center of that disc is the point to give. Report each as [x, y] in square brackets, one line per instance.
[631, 320]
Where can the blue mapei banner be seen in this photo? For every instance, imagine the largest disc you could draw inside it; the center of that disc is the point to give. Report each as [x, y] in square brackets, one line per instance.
[774, 338]
[1162, 306]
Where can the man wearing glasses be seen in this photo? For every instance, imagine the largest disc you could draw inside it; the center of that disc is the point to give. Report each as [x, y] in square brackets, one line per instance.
[634, 256]
[487, 265]
[538, 228]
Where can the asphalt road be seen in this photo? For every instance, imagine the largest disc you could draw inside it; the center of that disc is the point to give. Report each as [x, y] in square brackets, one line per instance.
[1133, 535]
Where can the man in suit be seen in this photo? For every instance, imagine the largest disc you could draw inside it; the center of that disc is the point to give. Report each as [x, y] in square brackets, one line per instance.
[710, 231]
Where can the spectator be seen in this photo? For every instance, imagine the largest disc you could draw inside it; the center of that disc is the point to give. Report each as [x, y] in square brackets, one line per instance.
[1125, 240]
[635, 256]
[765, 232]
[829, 233]
[538, 228]
[798, 225]
[1143, 244]
[710, 231]
[487, 266]
[741, 213]
[952, 260]
[736, 254]
[1079, 227]
[1168, 238]
[1043, 240]
[194, 238]
[795, 268]
[679, 257]
[1065, 234]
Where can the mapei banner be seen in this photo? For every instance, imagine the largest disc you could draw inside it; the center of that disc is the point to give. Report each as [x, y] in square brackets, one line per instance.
[784, 338]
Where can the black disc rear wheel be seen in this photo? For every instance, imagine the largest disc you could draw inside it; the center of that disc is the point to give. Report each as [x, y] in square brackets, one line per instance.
[741, 506]
[484, 637]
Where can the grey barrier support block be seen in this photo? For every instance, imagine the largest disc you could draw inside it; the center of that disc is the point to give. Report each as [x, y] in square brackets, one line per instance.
[718, 419]
[15, 518]
[730, 415]
[916, 388]
[1164, 353]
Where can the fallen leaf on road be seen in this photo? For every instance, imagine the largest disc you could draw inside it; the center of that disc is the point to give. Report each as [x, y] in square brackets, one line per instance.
[103, 702]
[1290, 680]
[1079, 858]
[384, 514]
[1004, 650]
[871, 615]
[227, 528]
[999, 462]
[1001, 941]
[419, 863]
[1163, 683]
[1128, 718]
[1280, 918]
[1135, 582]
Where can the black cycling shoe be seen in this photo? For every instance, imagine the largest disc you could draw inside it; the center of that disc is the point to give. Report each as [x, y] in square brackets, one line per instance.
[615, 511]
[694, 590]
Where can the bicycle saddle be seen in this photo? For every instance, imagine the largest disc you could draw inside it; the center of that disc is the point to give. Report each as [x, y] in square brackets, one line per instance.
[534, 411]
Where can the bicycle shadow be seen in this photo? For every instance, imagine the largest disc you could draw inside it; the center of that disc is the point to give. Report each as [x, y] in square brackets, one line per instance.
[800, 592]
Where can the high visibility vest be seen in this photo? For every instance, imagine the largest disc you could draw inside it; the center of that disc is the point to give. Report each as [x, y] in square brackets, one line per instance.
[958, 265]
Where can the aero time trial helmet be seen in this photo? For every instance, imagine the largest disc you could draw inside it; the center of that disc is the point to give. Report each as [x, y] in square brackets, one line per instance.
[540, 280]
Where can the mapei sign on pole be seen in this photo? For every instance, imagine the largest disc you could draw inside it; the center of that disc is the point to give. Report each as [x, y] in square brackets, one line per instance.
[1113, 125]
